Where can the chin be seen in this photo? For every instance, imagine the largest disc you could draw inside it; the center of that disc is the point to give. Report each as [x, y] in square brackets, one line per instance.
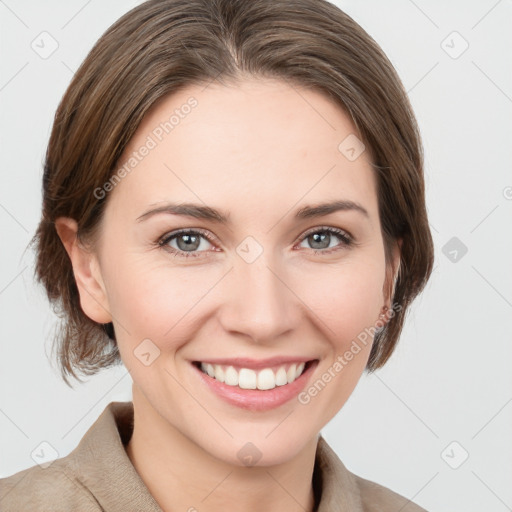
[258, 450]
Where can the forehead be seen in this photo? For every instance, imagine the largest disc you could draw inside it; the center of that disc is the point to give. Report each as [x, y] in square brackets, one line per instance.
[256, 145]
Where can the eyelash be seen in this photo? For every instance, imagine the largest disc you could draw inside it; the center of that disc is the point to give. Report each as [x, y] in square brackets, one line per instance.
[347, 240]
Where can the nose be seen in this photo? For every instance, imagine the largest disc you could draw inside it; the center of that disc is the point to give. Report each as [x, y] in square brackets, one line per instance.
[258, 301]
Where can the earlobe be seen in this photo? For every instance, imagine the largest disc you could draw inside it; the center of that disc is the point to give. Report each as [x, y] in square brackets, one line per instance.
[93, 297]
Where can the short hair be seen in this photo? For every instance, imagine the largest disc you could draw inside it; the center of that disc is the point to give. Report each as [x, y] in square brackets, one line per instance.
[162, 46]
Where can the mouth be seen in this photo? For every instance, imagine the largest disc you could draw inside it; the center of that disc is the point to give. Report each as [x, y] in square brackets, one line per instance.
[249, 378]
[261, 387]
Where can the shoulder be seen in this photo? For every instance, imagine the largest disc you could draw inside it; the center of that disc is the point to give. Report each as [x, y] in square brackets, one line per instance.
[54, 488]
[97, 475]
[377, 498]
[342, 488]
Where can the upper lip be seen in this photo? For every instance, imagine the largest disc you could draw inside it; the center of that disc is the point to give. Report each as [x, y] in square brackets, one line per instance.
[245, 362]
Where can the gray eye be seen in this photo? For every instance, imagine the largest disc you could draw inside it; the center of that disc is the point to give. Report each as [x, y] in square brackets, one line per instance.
[319, 240]
[188, 242]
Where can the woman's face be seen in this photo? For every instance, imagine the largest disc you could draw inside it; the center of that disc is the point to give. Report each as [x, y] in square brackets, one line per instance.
[264, 288]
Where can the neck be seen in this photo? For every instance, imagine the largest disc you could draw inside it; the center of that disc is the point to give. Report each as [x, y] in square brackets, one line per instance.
[181, 475]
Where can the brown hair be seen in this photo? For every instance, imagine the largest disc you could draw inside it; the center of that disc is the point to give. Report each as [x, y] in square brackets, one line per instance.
[161, 46]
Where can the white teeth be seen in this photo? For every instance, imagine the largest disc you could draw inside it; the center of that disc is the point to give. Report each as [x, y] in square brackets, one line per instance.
[250, 379]
[210, 370]
[231, 377]
[281, 379]
[299, 369]
[219, 373]
[290, 374]
[247, 379]
[266, 379]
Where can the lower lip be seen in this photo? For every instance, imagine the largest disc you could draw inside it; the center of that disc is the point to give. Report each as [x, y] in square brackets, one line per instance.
[257, 399]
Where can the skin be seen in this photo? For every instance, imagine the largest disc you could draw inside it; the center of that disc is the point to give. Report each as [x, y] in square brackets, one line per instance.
[258, 150]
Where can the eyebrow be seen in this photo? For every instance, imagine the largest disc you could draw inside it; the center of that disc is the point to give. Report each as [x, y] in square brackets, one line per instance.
[198, 211]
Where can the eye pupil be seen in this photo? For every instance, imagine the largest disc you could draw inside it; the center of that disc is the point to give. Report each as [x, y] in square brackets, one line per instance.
[320, 238]
[192, 242]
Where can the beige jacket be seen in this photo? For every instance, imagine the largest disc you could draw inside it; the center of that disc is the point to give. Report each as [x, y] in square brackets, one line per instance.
[98, 476]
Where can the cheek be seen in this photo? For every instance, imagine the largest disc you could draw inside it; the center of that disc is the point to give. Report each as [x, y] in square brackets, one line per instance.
[150, 299]
[346, 301]
[346, 298]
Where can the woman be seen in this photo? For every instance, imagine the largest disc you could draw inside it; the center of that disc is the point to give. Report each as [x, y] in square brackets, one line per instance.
[234, 209]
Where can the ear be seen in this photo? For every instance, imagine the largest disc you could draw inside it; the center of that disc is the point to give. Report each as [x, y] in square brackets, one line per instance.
[86, 269]
[392, 271]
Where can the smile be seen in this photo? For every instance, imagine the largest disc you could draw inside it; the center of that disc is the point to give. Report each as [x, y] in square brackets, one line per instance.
[247, 378]
[255, 385]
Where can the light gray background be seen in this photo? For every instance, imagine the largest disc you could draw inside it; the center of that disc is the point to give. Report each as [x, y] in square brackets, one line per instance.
[449, 379]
